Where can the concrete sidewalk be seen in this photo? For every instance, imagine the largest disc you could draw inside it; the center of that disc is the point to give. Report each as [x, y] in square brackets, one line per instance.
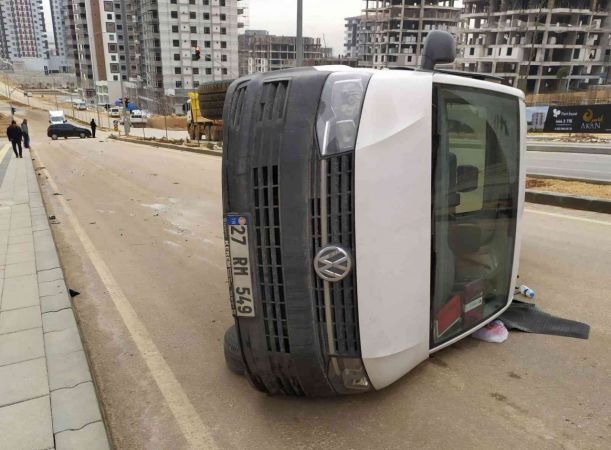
[47, 396]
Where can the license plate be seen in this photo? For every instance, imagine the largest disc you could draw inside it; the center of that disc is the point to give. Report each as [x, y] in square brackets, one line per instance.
[238, 265]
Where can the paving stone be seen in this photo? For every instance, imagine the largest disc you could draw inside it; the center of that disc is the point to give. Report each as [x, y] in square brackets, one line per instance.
[54, 302]
[44, 244]
[91, 437]
[27, 425]
[20, 231]
[15, 258]
[50, 275]
[67, 370]
[20, 292]
[74, 407]
[20, 319]
[64, 341]
[47, 260]
[51, 287]
[20, 248]
[23, 381]
[21, 239]
[56, 321]
[21, 346]
[20, 269]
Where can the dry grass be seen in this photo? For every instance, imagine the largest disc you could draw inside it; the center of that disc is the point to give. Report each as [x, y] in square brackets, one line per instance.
[174, 122]
[570, 187]
[590, 97]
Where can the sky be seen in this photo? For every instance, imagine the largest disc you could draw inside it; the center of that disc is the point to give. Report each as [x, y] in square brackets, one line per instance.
[321, 18]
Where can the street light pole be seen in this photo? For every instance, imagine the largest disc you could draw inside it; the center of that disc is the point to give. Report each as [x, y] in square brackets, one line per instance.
[299, 46]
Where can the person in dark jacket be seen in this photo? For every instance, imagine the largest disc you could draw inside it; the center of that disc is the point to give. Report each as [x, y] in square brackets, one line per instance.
[14, 134]
[26, 133]
[93, 127]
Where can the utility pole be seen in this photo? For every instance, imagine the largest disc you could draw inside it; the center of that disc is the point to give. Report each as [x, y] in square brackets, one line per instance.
[299, 46]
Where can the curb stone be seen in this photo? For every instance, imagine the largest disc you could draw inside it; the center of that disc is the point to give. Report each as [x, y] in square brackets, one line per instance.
[183, 148]
[569, 201]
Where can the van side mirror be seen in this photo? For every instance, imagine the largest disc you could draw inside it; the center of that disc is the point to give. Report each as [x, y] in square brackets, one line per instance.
[439, 48]
[467, 178]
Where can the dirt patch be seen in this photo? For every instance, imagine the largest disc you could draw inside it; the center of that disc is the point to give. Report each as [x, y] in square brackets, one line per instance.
[173, 122]
[570, 187]
[11, 101]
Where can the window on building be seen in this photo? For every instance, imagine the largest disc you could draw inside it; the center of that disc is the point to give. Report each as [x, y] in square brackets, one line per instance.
[179, 84]
[206, 2]
[108, 16]
[175, 43]
[206, 16]
[223, 16]
[222, 2]
[114, 68]
[176, 56]
[471, 51]
[112, 48]
[191, 2]
[224, 58]
[177, 70]
[490, 52]
[192, 15]
[509, 51]
[193, 43]
[196, 71]
[576, 53]
[208, 71]
[193, 29]
[195, 83]
[108, 7]
[223, 30]
[207, 44]
[115, 78]
[174, 28]
[224, 71]
[110, 27]
[223, 44]
[174, 14]
[173, 2]
[206, 30]
[118, 16]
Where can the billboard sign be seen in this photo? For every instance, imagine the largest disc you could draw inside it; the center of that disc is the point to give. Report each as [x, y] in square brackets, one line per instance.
[570, 119]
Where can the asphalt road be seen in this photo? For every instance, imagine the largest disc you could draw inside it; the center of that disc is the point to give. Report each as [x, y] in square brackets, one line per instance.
[569, 165]
[140, 237]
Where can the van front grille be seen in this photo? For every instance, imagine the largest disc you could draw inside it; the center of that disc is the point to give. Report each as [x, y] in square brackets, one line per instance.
[269, 257]
[339, 200]
[273, 100]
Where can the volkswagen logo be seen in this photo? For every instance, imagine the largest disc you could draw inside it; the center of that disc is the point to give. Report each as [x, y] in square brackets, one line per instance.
[332, 263]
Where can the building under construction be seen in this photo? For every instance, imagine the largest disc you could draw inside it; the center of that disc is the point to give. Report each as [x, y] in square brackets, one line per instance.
[537, 45]
[260, 51]
[391, 32]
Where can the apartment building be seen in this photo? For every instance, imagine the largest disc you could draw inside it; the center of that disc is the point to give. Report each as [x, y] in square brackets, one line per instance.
[538, 45]
[351, 36]
[392, 32]
[261, 52]
[159, 46]
[23, 38]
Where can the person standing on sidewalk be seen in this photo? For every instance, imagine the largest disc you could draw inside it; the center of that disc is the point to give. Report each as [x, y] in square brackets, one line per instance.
[14, 134]
[26, 133]
[93, 127]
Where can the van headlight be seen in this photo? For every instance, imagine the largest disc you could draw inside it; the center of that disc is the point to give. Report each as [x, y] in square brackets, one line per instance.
[339, 112]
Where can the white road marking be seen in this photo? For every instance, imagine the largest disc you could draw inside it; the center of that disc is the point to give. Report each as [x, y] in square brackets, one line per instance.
[566, 216]
[189, 421]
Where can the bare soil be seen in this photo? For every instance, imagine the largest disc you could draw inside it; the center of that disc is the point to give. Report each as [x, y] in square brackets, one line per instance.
[173, 122]
[570, 187]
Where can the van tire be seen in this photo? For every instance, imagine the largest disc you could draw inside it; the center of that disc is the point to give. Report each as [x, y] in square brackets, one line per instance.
[233, 354]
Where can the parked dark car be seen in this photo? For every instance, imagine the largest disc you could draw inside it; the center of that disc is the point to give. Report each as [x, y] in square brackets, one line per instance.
[67, 130]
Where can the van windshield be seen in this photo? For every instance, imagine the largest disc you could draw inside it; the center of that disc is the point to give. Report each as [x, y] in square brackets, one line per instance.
[475, 199]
